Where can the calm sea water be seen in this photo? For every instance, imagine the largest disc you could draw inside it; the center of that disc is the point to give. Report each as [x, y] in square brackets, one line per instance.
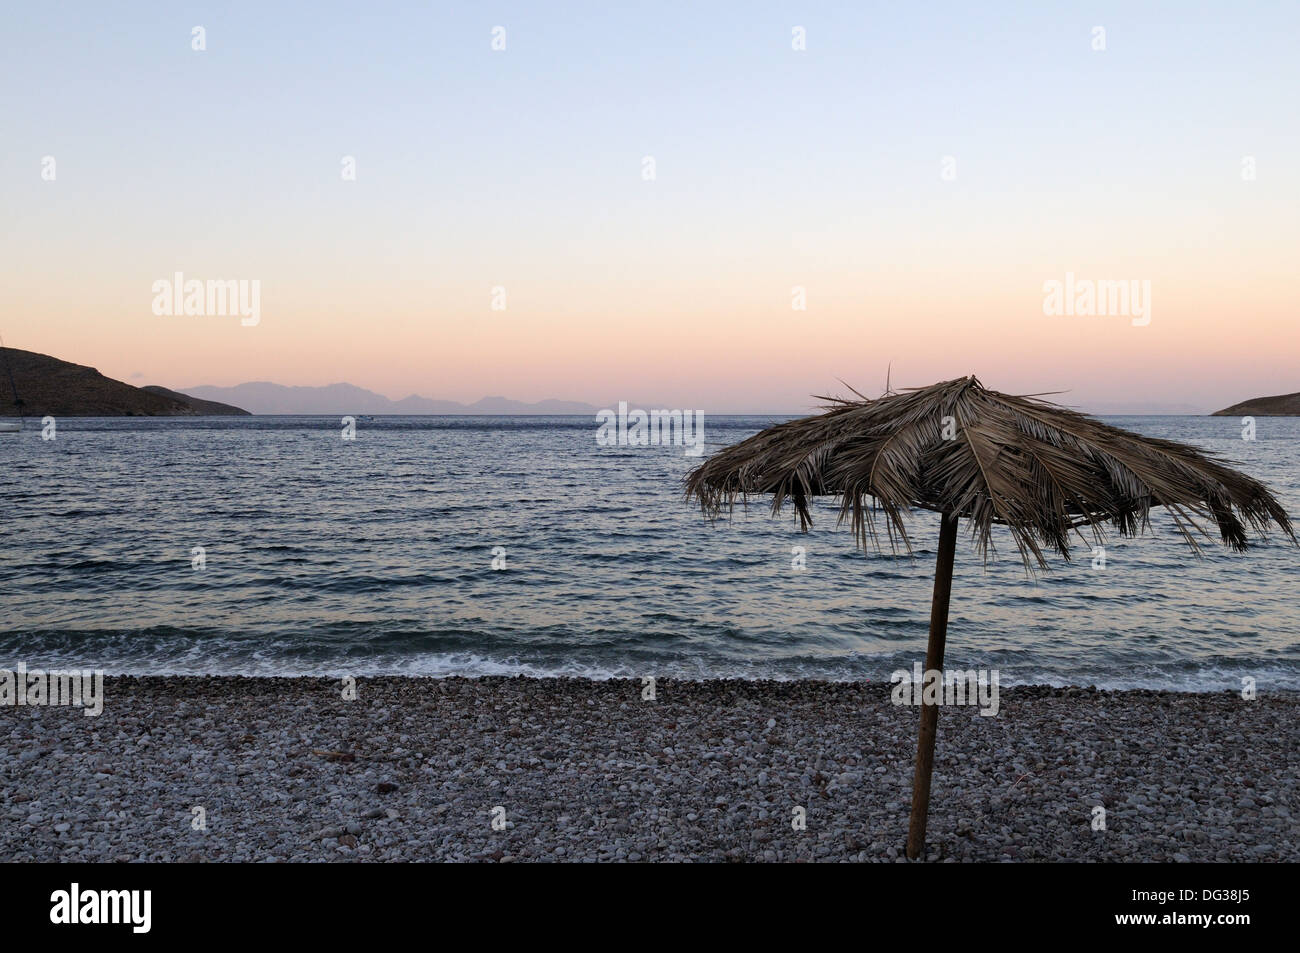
[375, 556]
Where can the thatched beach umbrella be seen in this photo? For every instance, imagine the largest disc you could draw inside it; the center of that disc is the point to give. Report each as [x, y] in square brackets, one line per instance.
[1040, 470]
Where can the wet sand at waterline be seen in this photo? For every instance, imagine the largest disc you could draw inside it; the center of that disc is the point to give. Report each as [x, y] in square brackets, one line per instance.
[414, 768]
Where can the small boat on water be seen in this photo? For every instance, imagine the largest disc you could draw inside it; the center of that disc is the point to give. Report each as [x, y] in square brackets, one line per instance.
[6, 427]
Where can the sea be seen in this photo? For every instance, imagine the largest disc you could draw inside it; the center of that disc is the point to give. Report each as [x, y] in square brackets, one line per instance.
[474, 546]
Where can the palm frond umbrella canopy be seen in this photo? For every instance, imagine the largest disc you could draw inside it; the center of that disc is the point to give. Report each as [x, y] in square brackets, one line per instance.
[1044, 472]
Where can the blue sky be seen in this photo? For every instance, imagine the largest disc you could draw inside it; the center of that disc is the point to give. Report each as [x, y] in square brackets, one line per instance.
[521, 168]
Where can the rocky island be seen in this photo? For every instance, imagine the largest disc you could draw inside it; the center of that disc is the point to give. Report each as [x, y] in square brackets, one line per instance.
[1284, 405]
[47, 385]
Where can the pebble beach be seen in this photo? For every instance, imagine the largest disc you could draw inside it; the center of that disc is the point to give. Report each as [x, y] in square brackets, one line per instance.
[224, 768]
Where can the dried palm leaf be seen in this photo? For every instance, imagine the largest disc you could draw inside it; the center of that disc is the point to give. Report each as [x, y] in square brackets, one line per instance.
[1043, 471]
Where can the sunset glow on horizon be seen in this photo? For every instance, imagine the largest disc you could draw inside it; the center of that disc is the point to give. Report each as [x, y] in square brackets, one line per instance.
[912, 186]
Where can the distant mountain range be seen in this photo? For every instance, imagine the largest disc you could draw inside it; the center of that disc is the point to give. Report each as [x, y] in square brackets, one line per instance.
[210, 408]
[263, 397]
[1284, 405]
[46, 385]
[1133, 408]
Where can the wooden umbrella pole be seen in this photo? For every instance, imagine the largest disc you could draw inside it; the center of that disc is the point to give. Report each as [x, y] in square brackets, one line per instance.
[933, 663]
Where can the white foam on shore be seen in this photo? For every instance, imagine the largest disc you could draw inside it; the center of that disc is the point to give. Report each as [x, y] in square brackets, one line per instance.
[861, 669]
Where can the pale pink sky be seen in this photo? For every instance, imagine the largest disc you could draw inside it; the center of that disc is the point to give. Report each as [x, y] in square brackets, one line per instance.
[523, 168]
[697, 327]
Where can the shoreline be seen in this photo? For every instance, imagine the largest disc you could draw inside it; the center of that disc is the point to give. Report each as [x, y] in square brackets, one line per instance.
[1224, 686]
[284, 768]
